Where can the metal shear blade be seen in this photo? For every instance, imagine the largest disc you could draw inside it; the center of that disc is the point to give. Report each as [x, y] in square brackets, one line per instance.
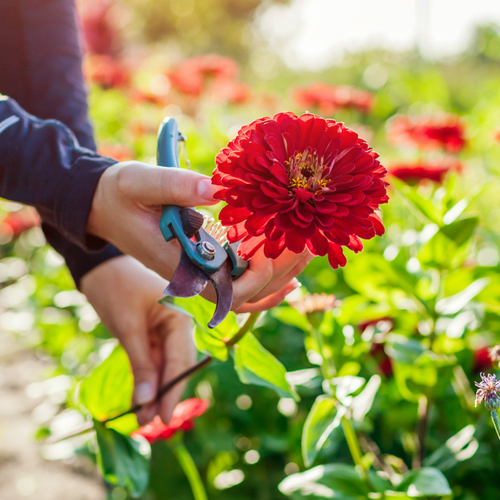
[189, 280]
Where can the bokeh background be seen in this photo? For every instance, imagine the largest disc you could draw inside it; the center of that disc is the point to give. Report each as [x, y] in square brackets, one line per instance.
[429, 58]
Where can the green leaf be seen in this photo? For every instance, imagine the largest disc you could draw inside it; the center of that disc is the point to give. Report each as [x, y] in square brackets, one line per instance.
[107, 391]
[459, 447]
[448, 248]
[424, 207]
[455, 303]
[337, 481]
[320, 423]
[402, 348]
[362, 403]
[210, 340]
[425, 482]
[290, 316]
[256, 365]
[121, 461]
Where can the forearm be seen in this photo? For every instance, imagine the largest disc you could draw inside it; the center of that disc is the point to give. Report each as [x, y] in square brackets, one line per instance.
[42, 164]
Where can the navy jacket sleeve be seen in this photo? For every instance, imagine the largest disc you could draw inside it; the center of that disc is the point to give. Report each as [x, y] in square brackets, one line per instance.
[40, 67]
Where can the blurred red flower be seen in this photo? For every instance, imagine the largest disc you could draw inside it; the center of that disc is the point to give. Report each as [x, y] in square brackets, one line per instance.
[482, 360]
[230, 91]
[446, 132]
[16, 223]
[413, 172]
[192, 75]
[117, 151]
[100, 32]
[182, 420]
[300, 181]
[106, 71]
[328, 99]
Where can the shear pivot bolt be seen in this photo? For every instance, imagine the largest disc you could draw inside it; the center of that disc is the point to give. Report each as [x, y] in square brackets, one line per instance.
[206, 250]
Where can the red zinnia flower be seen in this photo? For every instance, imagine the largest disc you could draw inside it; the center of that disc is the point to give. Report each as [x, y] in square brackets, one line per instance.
[295, 181]
[446, 132]
[184, 413]
[330, 98]
[482, 360]
[100, 31]
[106, 71]
[230, 91]
[415, 172]
[192, 75]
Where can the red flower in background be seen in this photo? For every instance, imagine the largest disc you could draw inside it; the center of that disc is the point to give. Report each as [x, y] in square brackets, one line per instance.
[106, 71]
[230, 91]
[192, 75]
[300, 181]
[184, 413]
[117, 151]
[330, 98]
[417, 171]
[446, 132]
[482, 360]
[100, 32]
[16, 223]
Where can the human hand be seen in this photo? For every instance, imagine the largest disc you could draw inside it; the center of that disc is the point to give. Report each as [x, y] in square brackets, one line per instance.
[157, 339]
[126, 211]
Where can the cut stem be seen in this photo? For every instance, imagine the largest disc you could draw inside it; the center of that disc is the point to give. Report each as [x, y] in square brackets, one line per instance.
[354, 448]
[247, 325]
[189, 467]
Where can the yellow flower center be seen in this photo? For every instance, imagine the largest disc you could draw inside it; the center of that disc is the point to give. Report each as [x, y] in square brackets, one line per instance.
[305, 170]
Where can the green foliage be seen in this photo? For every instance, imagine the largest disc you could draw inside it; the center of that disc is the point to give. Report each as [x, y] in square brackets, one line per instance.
[122, 460]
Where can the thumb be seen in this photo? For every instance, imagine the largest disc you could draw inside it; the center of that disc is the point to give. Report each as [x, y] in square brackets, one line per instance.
[166, 186]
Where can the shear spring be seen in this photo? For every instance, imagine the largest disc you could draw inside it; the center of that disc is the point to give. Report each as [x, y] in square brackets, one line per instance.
[215, 229]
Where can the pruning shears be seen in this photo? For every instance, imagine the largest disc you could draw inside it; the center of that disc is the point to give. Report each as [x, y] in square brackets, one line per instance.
[205, 253]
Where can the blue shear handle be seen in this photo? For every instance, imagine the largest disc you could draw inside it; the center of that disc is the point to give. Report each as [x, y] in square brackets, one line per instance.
[168, 144]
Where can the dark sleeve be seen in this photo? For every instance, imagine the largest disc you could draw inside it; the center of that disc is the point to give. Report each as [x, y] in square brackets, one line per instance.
[43, 165]
[40, 67]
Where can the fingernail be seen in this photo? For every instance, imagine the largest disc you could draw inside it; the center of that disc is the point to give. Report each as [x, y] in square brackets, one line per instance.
[296, 283]
[206, 189]
[144, 393]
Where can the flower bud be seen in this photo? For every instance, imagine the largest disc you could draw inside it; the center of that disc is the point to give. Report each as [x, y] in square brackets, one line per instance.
[492, 402]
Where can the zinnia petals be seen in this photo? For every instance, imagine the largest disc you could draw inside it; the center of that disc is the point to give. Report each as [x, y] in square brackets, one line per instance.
[300, 181]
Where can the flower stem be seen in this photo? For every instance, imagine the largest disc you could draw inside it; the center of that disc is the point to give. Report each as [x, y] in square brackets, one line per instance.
[354, 448]
[496, 423]
[423, 419]
[188, 466]
[247, 325]
[327, 368]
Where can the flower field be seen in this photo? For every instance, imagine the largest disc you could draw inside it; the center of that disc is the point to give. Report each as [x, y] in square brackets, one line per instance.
[361, 385]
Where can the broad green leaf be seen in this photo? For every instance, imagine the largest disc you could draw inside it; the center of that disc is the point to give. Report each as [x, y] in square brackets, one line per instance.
[459, 447]
[425, 482]
[107, 391]
[448, 248]
[424, 207]
[121, 461]
[320, 423]
[337, 481]
[402, 348]
[455, 303]
[210, 340]
[256, 365]
[362, 403]
[290, 316]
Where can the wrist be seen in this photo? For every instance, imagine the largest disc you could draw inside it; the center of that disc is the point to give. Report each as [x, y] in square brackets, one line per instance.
[96, 221]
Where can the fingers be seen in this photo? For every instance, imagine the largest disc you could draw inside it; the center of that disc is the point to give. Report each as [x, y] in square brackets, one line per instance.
[144, 369]
[280, 283]
[263, 272]
[165, 186]
[270, 301]
[180, 354]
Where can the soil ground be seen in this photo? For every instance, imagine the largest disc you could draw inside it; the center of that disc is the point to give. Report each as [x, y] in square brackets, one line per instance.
[24, 473]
